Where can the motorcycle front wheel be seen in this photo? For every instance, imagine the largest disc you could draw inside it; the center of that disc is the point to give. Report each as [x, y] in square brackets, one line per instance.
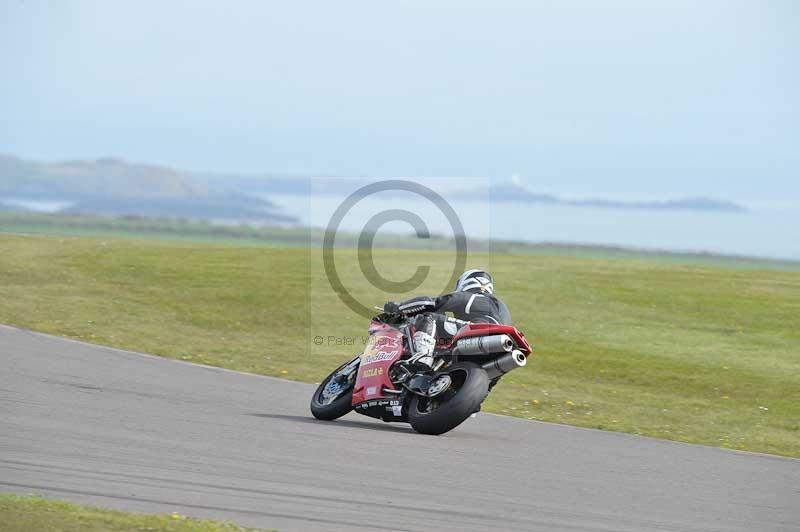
[442, 413]
[333, 397]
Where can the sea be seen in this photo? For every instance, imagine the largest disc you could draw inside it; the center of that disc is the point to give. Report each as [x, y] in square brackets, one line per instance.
[766, 230]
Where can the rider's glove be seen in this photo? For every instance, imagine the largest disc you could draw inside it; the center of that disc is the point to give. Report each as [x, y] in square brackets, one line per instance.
[391, 307]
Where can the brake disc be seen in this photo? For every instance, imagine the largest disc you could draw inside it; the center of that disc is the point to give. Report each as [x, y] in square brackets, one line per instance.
[439, 385]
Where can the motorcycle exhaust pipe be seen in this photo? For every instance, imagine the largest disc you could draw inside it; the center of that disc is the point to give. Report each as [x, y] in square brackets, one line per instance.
[505, 363]
[485, 345]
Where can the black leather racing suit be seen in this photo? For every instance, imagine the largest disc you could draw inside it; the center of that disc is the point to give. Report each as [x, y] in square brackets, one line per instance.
[466, 306]
[474, 307]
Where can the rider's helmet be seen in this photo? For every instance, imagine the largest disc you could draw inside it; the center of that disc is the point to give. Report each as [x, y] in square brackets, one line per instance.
[475, 281]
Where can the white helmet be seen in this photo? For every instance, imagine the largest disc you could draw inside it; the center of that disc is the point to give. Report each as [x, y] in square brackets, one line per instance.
[475, 280]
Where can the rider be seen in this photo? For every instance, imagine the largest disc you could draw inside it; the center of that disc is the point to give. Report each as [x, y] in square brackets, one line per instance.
[472, 300]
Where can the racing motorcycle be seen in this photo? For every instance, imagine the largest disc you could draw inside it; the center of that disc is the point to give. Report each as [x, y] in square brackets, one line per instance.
[383, 383]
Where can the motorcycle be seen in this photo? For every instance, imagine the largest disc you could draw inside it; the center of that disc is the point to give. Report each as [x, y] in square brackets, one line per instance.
[383, 383]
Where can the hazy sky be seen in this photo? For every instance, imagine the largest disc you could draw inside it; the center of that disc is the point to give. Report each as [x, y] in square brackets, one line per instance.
[627, 99]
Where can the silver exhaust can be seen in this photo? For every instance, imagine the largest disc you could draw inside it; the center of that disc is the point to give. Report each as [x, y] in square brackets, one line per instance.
[505, 363]
[485, 345]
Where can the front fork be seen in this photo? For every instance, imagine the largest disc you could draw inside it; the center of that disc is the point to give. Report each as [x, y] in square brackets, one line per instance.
[348, 370]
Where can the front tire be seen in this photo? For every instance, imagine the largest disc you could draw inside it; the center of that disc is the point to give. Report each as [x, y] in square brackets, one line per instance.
[440, 414]
[328, 406]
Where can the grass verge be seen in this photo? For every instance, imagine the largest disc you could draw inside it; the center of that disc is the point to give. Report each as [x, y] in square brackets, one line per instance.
[690, 353]
[26, 513]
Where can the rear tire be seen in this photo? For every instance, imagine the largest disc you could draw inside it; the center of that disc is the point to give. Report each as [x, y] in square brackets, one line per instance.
[336, 408]
[441, 414]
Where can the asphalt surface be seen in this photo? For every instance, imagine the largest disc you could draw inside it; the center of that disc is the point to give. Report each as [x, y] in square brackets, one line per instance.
[124, 430]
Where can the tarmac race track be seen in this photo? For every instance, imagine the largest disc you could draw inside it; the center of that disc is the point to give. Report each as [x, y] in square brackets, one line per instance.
[124, 430]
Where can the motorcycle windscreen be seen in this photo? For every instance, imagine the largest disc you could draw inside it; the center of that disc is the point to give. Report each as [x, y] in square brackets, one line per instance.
[383, 348]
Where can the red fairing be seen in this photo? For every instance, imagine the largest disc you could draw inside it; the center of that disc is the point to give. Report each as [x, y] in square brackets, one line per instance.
[489, 329]
[384, 347]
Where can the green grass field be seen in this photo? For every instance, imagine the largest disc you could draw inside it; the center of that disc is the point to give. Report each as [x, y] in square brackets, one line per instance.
[26, 514]
[701, 354]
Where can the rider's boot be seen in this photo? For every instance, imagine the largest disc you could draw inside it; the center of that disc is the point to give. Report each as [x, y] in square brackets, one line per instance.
[424, 341]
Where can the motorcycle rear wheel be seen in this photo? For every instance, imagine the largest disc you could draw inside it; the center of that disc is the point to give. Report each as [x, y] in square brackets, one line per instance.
[328, 407]
[440, 414]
